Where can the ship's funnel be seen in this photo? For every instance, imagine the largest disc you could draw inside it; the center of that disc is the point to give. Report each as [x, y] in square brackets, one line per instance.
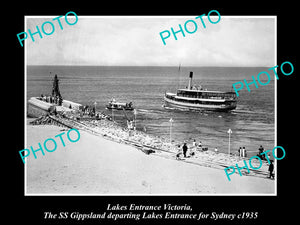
[190, 80]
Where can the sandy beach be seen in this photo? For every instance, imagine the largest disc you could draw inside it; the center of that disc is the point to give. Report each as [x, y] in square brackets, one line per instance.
[95, 165]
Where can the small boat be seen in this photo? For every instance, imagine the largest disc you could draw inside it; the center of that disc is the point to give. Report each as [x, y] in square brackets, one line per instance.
[113, 104]
[195, 98]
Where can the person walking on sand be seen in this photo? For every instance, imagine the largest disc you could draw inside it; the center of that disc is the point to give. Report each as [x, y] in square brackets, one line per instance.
[271, 168]
[184, 149]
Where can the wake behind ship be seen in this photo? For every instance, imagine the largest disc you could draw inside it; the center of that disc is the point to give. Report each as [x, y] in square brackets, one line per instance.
[195, 98]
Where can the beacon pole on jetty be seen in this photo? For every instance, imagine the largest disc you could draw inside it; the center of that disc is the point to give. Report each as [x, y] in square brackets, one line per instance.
[229, 133]
[135, 113]
[171, 124]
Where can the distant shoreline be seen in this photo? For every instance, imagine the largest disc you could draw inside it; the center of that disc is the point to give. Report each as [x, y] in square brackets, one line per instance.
[153, 66]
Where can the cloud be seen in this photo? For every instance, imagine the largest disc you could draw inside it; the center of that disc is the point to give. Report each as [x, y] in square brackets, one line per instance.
[234, 41]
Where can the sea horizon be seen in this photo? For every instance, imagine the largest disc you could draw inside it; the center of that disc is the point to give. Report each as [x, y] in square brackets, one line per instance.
[182, 66]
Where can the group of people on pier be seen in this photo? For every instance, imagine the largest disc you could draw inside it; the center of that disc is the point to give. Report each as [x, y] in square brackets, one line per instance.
[183, 150]
[52, 99]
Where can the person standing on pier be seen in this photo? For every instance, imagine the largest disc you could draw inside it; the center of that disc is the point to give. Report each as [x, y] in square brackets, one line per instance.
[200, 144]
[240, 152]
[184, 149]
[261, 150]
[216, 150]
[244, 152]
[271, 168]
[199, 147]
[194, 144]
[178, 152]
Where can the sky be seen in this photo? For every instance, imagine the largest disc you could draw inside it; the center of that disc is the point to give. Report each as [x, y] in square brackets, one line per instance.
[135, 41]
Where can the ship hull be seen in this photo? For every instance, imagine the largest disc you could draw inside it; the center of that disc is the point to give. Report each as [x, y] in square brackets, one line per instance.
[198, 107]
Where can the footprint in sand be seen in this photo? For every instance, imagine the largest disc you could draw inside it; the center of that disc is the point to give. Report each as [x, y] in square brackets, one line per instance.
[144, 183]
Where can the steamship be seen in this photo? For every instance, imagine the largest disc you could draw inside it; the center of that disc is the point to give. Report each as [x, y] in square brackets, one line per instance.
[195, 98]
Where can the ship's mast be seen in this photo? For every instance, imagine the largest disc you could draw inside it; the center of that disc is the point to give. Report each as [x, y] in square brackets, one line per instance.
[190, 81]
[179, 78]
